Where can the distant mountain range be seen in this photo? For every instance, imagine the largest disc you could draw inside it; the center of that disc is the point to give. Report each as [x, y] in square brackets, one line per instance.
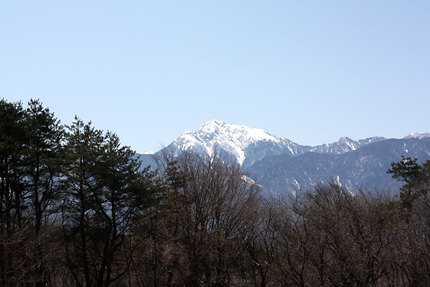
[279, 164]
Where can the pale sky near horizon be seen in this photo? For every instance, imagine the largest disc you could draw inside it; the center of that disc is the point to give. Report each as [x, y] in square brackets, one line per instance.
[309, 71]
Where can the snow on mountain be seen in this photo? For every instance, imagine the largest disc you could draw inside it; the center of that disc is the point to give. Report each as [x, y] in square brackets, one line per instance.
[235, 140]
[248, 145]
[364, 168]
[344, 144]
[417, 135]
[277, 163]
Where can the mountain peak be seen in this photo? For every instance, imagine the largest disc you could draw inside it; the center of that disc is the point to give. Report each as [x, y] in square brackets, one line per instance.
[344, 139]
[242, 135]
[213, 126]
[417, 135]
[248, 145]
[214, 123]
[233, 139]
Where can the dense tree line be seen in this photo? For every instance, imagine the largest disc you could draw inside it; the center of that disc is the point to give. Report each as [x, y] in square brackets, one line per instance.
[71, 198]
[77, 209]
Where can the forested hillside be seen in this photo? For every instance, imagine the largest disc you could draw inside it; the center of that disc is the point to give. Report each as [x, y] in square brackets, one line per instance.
[77, 209]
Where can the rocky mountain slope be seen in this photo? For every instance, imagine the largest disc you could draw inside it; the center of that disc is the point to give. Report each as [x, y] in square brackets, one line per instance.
[243, 144]
[280, 164]
[365, 167]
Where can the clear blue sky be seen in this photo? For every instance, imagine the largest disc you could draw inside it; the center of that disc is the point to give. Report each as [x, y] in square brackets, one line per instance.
[309, 71]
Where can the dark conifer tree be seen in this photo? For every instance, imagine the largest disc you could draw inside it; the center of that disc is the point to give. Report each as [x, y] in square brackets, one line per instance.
[44, 138]
[12, 189]
[104, 194]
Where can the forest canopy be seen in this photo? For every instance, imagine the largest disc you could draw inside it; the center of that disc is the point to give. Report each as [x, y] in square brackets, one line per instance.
[77, 209]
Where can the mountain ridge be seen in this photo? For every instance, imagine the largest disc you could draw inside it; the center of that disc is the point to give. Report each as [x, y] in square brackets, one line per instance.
[232, 139]
[365, 167]
[278, 163]
[242, 142]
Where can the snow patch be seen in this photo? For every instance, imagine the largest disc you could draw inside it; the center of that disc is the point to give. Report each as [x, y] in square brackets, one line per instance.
[234, 139]
[417, 135]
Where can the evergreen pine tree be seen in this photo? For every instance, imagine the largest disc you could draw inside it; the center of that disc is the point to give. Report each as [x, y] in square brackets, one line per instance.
[104, 194]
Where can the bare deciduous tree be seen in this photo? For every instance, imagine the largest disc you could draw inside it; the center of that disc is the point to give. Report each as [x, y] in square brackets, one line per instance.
[210, 209]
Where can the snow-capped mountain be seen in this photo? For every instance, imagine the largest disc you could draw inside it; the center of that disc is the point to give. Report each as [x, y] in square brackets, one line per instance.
[416, 135]
[279, 164]
[344, 144]
[366, 167]
[246, 145]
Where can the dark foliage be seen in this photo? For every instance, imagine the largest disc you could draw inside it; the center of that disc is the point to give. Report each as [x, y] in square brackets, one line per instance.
[76, 209]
